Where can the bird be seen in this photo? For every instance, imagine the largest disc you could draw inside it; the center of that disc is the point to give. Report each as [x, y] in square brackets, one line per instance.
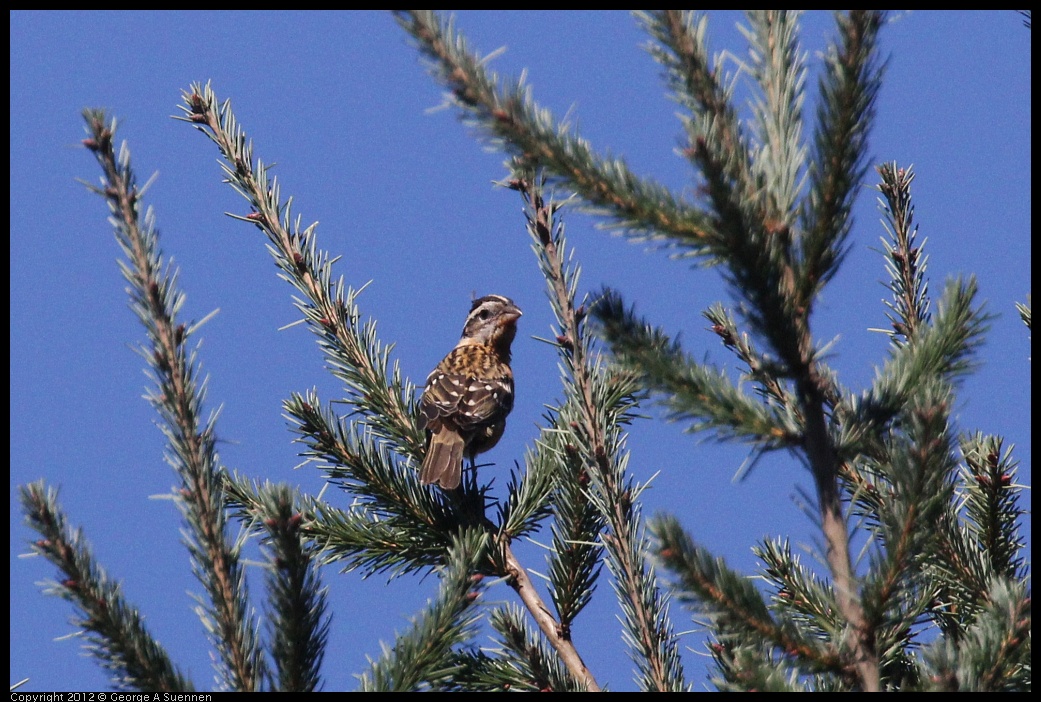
[469, 394]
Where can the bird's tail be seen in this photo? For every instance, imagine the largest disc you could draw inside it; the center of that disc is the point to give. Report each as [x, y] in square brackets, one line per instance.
[443, 464]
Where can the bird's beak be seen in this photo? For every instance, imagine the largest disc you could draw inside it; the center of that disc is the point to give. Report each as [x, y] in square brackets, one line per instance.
[510, 315]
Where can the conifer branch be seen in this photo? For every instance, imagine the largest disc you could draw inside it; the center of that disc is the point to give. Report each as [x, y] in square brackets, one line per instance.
[752, 243]
[716, 142]
[801, 597]
[575, 559]
[298, 624]
[349, 453]
[419, 657]
[740, 617]
[844, 118]
[508, 117]
[994, 654]
[778, 66]
[992, 509]
[574, 562]
[378, 394]
[537, 665]
[761, 368]
[114, 629]
[357, 454]
[905, 261]
[388, 498]
[1024, 311]
[602, 400]
[178, 398]
[923, 348]
[944, 350]
[693, 391]
[943, 540]
[982, 547]
[760, 251]
[522, 662]
[824, 464]
[558, 637]
[914, 481]
[528, 497]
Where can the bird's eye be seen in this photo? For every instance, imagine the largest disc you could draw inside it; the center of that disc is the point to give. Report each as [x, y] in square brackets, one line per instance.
[483, 314]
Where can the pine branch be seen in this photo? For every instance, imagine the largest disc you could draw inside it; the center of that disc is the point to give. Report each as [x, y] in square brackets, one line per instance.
[1024, 311]
[574, 562]
[717, 144]
[914, 481]
[923, 348]
[746, 669]
[378, 394]
[559, 638]
[298, 622]
[760, 258]
[178, 398]
[508, 118]
[803, 598]
[522, 662]
[528, 497]
[930, 567]
[778, 66]
[843, 124]
[738, 614]
[994, 655]
[762, 369]
[752, 243]
[990, 494]
[943, 350]
[394, 522]
[350, 454]
[693, 391]
[114, 629]
[942, 553]
[419, 657]
[905, 262]
[978, 542]
[356, 453]
[759, 252]
[844, 119]
[534, 661]
[825, 467]
[602, 402]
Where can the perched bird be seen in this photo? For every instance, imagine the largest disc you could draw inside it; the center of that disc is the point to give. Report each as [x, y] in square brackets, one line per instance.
[469, 394]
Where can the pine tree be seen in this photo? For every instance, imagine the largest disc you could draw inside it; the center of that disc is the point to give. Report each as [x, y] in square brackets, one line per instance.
[943, 599]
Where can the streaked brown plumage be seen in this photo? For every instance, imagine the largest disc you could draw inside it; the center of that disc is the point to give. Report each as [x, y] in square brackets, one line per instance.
[469, 394]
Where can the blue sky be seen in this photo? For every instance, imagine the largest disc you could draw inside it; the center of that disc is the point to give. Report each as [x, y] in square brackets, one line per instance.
[342, 103]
